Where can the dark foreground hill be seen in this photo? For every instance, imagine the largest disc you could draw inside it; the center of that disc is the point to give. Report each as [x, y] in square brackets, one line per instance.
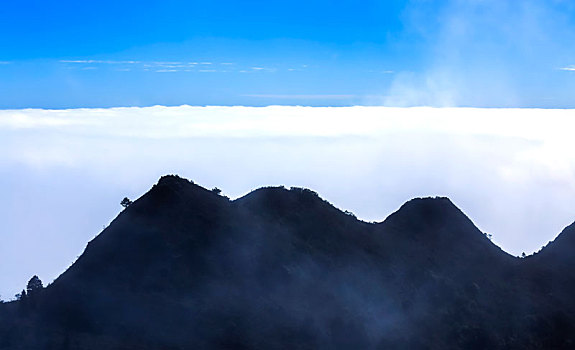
[185, 268]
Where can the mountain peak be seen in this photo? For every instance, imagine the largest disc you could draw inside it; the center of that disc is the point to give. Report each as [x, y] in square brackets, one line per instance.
[427, 212]
[436, 223]
[173, 180]
[421, 202]
[282, 202]
[174, 186]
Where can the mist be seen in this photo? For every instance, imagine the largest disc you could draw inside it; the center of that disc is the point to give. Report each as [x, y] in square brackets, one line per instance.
[486, 54]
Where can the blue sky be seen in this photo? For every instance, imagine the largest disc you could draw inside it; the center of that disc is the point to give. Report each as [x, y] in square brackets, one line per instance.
[67, 54]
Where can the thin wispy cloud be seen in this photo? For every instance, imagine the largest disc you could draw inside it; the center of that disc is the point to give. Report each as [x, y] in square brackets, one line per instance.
[264, 69]
[166, 63]
[164, 66]
[468, 43]
[100, 61]
[299, 69]
[303, 96]
[569, 69]
[380, 71]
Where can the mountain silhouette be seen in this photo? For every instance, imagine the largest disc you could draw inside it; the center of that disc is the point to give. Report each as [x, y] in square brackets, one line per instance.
[183, 267]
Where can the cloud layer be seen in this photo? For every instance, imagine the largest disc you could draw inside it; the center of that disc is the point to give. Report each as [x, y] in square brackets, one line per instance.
[63, 172]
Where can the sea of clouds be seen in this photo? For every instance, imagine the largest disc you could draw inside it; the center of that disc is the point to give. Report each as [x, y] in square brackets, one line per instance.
[64, 172]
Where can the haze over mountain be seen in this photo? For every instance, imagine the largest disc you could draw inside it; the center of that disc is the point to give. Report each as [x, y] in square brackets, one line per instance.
[184, 267]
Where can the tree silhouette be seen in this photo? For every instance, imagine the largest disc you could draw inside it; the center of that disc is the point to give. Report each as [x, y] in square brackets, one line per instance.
[216, 190]
[21, 295]
[126, 202]
[34, 286]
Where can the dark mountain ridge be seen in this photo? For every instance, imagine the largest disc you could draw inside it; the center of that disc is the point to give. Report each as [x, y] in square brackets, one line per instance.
[183, 267]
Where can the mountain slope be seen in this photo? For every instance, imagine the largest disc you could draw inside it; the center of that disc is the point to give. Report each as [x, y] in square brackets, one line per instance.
[183, 267]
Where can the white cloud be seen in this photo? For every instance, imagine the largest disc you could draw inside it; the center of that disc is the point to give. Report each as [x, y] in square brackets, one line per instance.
[192, 121]
[99, 61]
[381, 71]
[30, 119]
[166, 63]
[158, 66]
[79, 61]
[570, 68]
[304, 97]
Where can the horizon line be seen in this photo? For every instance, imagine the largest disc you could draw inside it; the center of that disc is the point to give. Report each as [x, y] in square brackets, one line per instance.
[284, 106]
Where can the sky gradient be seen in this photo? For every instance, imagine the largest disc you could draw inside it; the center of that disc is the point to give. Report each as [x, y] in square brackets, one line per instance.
[488, 53]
